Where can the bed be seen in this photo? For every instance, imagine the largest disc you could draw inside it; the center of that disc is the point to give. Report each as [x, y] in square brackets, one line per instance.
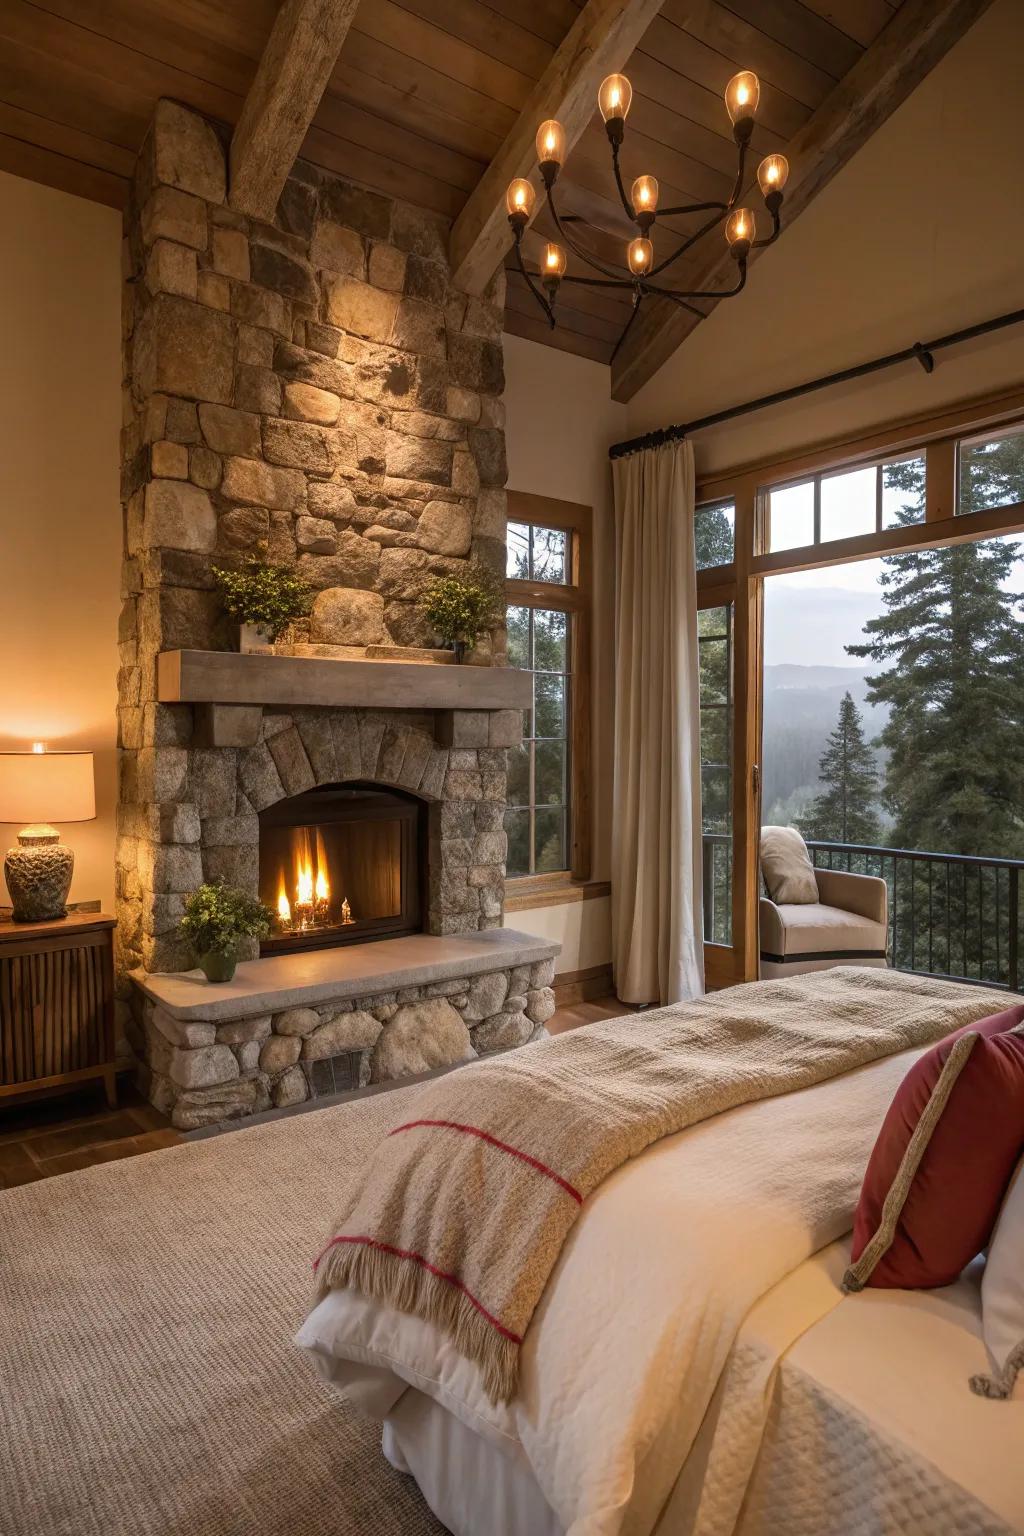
[693, 1366]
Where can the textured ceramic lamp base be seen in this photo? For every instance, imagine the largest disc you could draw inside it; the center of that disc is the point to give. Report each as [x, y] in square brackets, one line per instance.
[38, 874]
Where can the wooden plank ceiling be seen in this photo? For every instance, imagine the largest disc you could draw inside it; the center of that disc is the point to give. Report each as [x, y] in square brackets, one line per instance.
[422, 97]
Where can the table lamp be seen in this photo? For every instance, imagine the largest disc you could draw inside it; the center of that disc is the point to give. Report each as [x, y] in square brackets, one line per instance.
[38, 787]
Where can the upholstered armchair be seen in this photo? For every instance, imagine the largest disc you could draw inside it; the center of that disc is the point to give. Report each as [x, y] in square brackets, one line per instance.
[816, 918]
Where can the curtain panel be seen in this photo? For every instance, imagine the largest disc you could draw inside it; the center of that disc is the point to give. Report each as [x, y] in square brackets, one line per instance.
[657, 919]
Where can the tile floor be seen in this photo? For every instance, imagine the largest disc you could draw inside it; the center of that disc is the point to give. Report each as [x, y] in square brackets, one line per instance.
[47, 1136]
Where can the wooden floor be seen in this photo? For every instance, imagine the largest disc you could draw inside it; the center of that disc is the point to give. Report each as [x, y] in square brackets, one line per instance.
[44, 1137]
[576, 1014]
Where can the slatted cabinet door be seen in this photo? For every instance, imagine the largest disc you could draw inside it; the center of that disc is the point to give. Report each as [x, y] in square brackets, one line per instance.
[56, 1003]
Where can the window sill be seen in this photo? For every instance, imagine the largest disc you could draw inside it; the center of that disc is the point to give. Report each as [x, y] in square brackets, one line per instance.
[526, 891]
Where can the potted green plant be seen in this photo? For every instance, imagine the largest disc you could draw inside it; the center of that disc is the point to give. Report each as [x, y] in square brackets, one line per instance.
[461, 608]
[217, 917]
[263, 596]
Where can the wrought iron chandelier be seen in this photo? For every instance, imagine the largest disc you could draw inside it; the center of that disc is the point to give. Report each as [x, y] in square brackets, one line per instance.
[641, 207]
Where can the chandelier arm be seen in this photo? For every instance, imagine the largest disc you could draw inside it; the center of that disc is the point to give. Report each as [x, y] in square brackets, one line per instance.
[599, 282]
[759, 245]
[690, 241]
[738, 183]
[546, 306]
[703, 293]
[627, 205]
[578, 250]
[692, 208]
[709, 224]
[625, 329]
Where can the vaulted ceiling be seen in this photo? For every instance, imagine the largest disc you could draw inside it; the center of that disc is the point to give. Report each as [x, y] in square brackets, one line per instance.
[425, 92]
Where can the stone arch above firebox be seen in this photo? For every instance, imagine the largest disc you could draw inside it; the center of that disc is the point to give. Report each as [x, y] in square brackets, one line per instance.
[445, 758]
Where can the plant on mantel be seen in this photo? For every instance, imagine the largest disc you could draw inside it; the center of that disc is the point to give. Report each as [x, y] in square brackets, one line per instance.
[263, 596]
[217, 918]
[460, 609]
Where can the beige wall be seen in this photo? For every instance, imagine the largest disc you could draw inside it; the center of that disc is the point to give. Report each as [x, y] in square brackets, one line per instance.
[60, 521]
[559, 424]
[921, 234]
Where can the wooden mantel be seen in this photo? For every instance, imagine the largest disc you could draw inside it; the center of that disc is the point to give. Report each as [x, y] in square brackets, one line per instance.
[227, 677]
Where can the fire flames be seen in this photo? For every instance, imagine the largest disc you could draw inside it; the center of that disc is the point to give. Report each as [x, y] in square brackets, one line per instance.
[309, 906]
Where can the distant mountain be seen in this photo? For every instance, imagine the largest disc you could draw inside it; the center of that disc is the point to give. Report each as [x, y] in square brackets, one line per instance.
[801, 705]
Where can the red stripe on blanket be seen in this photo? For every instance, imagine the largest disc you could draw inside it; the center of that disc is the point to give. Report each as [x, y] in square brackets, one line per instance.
[503, 1146]
[442, 1274]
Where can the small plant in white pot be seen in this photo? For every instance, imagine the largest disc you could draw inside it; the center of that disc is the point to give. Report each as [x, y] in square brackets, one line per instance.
[264, 597]
[460, 609]
[217, 918]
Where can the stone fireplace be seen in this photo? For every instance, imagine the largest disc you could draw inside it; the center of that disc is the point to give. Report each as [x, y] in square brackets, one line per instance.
[316, 385]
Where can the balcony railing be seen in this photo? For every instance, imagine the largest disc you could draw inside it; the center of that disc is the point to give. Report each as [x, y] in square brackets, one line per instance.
[950, 914]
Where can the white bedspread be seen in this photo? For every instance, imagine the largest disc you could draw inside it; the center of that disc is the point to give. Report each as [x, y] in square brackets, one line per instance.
[854, 1414]
[652, 1287]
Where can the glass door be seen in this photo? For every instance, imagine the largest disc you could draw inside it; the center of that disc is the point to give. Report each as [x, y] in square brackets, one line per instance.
[728, 640]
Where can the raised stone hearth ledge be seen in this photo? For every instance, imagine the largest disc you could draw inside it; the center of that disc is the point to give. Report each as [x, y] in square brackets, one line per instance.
[307, 978]
[293, 1027]
[228, 677]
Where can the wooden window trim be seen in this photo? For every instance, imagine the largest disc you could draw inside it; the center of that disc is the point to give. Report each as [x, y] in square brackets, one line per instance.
[575, 598]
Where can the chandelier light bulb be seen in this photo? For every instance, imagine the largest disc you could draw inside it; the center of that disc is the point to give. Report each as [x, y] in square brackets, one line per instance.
[644, 193]
[614, 97]
[741, 97]
[740, 231]
[550, 142]
[641, 256]
[520, 198]
[554, 263]
[773, 173]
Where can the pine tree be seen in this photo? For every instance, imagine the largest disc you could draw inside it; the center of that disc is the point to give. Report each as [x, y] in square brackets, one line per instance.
[952, 651]
[713, 537]
[845, 812]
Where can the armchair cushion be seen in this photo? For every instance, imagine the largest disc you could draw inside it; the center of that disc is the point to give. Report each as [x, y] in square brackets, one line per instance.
[786, 866]
[811, 928]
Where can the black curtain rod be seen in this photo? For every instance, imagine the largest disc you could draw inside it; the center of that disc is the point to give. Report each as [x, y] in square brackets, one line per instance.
[920, 352]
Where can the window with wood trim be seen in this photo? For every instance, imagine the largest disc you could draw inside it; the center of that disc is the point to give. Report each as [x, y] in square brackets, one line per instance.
[548, 617]
[866, 499]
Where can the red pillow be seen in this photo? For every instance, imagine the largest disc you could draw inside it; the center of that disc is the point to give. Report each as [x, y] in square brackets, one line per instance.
[943, 1159]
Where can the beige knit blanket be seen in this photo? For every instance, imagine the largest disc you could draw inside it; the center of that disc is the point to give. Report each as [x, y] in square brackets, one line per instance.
[466, 1205]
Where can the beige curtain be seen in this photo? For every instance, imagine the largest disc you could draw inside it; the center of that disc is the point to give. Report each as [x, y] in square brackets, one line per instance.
[657, 922]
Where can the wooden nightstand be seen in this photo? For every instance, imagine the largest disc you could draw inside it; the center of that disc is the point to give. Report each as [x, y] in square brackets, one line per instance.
[57, 1003]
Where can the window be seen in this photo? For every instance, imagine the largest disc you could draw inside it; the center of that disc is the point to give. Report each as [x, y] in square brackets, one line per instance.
[844, 503]
[714, 650]
[548, 601]
[714, 532]
[991, 472]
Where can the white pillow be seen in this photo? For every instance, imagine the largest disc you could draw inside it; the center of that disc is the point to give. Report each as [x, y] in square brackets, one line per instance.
[786, 866]
[1002, 1296]
[370, 1352]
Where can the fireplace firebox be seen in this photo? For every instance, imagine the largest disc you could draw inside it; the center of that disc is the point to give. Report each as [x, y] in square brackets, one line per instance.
[342, 864]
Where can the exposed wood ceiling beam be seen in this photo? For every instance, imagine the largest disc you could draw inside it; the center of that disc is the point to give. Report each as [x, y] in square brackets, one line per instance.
[599, 42]
[297, 62]
[919, 35]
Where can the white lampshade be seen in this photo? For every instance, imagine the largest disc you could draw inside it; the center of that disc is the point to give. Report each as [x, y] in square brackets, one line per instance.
[47, 786]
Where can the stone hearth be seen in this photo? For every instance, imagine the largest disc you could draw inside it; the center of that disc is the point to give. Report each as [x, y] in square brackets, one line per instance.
[295, 1027]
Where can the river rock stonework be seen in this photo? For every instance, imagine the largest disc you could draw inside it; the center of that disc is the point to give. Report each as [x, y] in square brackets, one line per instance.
[201, 1073]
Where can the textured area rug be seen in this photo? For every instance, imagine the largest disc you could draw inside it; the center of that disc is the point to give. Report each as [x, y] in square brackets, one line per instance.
[148, 1382]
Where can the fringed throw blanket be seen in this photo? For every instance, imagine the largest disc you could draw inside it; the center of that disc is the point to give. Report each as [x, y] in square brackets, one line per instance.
[466, 1206]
